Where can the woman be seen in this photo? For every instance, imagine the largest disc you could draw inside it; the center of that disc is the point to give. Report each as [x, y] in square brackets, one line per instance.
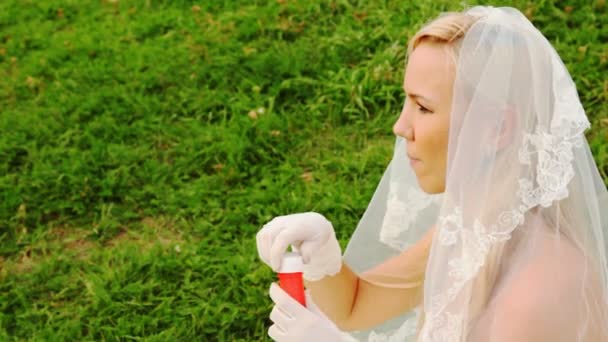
[488, 224]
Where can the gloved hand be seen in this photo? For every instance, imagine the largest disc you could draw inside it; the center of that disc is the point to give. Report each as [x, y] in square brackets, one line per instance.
[311, 234]
[294, 323]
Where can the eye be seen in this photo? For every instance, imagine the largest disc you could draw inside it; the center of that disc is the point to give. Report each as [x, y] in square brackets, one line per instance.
[423, 109]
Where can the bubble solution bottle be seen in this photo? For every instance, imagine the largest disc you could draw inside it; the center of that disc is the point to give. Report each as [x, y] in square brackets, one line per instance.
[290, 276]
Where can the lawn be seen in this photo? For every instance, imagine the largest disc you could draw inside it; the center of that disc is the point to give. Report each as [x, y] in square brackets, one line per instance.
[144, 143]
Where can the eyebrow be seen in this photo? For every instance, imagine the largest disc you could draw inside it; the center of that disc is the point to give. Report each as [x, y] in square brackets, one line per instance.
[417, 96]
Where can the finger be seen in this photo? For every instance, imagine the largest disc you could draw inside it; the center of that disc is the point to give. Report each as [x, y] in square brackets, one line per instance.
[310, 304]
[292, 235]
[309, 247]
[289, 306]
[280, 317]
[263, 246]
[276, 333]
[265, 237]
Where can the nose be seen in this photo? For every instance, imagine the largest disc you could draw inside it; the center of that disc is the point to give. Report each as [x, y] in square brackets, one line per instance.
[403, 126]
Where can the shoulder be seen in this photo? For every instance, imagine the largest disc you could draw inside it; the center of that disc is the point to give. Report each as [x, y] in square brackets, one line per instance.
[539, 296]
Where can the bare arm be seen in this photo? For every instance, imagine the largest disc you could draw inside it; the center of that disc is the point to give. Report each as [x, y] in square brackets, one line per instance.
[355, 304]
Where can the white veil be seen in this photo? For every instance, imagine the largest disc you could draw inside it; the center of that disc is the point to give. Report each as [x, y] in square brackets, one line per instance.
[524, 205]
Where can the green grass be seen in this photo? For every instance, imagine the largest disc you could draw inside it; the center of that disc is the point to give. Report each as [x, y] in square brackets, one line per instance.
[143, 144]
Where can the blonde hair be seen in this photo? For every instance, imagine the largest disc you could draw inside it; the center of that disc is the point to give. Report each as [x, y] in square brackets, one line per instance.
[449, 29]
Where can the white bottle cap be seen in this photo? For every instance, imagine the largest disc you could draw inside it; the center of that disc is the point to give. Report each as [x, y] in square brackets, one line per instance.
[292, 263]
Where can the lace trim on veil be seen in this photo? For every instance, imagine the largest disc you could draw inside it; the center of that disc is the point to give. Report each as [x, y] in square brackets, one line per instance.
[554, 171]
[400, 214]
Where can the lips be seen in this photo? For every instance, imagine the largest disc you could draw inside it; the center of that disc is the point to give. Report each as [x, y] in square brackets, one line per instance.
[413, 161]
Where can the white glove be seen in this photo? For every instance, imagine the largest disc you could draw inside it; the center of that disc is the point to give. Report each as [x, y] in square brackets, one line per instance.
[309, 233]
[294, 323]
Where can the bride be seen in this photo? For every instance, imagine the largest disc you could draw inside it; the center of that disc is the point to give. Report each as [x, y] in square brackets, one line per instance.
[489, 223]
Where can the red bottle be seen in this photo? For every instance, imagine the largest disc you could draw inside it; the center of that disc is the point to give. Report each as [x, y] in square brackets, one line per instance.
[290, 276]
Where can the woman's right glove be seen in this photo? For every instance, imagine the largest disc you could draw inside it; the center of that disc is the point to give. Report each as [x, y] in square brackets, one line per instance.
[309, 233]
[293, 322]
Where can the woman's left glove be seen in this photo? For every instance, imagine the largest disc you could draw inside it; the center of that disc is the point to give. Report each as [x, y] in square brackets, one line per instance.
[311, 234]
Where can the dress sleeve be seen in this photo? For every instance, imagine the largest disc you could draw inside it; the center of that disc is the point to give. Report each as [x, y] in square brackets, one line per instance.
[405, 270]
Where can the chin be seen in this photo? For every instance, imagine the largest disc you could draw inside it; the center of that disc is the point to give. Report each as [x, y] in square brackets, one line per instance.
[431, 187]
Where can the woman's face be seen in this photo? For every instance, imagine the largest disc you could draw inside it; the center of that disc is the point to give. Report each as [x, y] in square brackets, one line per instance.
[425, 118]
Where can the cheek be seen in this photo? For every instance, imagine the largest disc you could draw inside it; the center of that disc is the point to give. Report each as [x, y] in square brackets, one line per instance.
[441, 131]
[442, 143]
[432, 136]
